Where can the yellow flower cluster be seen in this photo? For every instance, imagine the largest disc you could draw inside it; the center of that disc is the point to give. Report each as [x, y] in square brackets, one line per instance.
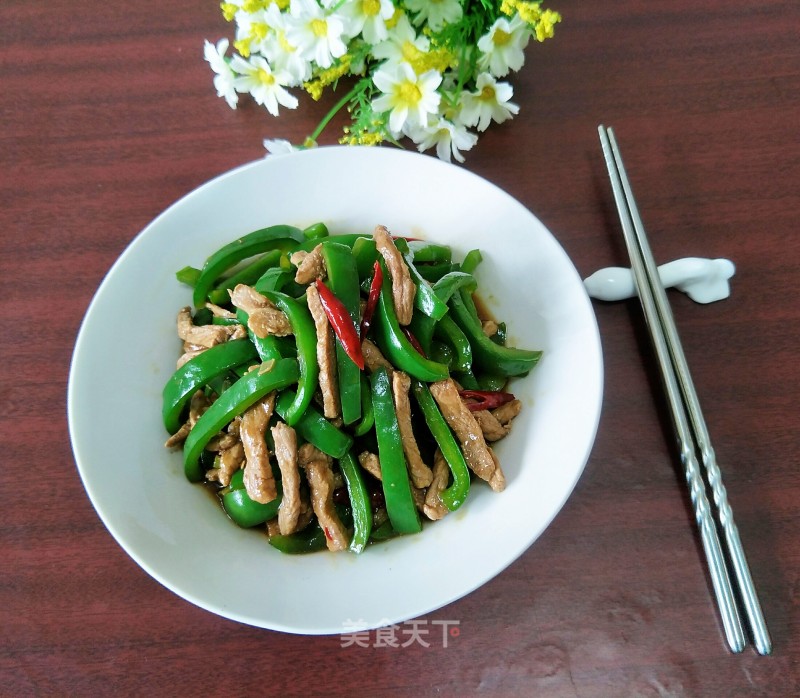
[542, 21]
[360, 138]
[327, 77]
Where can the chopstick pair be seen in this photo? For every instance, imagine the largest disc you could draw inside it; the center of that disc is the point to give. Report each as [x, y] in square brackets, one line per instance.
[689, 424]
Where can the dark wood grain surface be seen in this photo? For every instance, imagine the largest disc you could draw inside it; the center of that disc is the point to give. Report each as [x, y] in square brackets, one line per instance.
[108, 116]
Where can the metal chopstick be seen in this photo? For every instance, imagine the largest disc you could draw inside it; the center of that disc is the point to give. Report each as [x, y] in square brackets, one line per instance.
[682, 398]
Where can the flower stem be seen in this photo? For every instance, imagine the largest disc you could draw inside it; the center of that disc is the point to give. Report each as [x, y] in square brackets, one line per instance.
[334, 110]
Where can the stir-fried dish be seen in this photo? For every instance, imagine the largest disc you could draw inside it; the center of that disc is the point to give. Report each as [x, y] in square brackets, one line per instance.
[338, 390]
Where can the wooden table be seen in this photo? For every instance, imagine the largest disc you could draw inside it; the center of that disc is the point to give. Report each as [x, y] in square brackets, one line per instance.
[109, 115]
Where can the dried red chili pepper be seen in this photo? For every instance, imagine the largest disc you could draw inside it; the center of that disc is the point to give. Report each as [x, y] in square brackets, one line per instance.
[485, 399]
[414, 341]
[372, 298]
[342, 324]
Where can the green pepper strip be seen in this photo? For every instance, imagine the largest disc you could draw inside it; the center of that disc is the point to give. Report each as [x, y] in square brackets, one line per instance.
[245, 392]
[254, 243]
[314, 428]
[188, 276]
[196, 372]
[446, 329]
[305, 335]
[452, 282]
[316, 231]
[429, 252]
[425, 299]
[367, 414]
[434, 272]
[309, 540]
[454, 496]
[395, 345]
[242, 510]
[383, 532]
[348, 239]
[394, 471]
[343, 282]
[471, 261]
[488, 356]
[249, 275]
[359, 502]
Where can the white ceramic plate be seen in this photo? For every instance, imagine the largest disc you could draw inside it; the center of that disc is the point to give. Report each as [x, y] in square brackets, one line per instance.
[176, 531]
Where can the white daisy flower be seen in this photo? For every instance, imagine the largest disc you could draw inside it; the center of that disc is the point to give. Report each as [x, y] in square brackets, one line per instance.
[502, 47]
[278, 146]
[225, 77]
[265, 85]
[448, 137]
[437, 13]
[316, 34]
[252, 31]
[490, 102]
[402, 44]
[368, 18]
[280, 53]
[409, 97]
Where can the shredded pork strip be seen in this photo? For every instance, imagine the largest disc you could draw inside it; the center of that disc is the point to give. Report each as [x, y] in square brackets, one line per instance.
[326, 355]
[310, 265]
[259, 482]
[403, 288]
[420, 473]
[373, 359]
[286, 454]
[263, 318]
[478, 455]
[370, 463]
[434, 507]
[321, 481]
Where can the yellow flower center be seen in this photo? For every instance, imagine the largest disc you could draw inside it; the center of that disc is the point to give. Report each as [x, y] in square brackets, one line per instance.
[265, 78]
[487, 93]
[319, 27]
[501, 38]
[259, 30]
[409, 93]
[371, 7]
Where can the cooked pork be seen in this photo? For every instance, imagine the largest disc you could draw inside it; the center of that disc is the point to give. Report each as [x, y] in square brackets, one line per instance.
[198, 404]
[420, 473]
[321, 481]
[201, 335]
[492, 428]
[310, 265]
[403, 288]
[505, 413]
[434, 507]
[373, 359]
[370, 463]
[478, 455]
[259, 481]
[326, 355]
[286, 455]
[263, 318]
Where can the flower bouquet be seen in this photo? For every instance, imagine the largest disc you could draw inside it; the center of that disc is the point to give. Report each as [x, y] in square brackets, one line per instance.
[427, 70]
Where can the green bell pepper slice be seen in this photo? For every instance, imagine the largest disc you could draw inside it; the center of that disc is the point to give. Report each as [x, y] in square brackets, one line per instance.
[305, 335]
[454, 496]
[309, 540]
[367, 414]
[343, 283]
[196, 372]
[263, 240]
[448, 331]
[394, 471]
[242, 510]
[314, 428]
[359, 502]
[486, 355]
[249, 275]
[395, 345]
[245, 392]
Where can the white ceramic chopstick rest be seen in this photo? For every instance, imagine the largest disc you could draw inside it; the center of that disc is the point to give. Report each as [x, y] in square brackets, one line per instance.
[703, 280]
